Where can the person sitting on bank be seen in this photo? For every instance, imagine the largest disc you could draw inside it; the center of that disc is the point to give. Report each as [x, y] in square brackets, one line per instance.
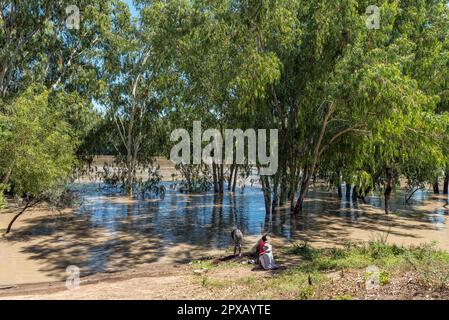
[259, 248]
[265, 254]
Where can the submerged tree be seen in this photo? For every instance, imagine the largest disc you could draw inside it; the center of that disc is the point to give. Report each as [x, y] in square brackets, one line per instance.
[138, 85]
[315, 71]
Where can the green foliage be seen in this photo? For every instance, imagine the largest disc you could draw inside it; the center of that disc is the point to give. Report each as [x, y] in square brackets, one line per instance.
[292, 64]
[48, 78]
[429, 263]
[384, 278]
[196, 178]
[37, 145]
[2, 198]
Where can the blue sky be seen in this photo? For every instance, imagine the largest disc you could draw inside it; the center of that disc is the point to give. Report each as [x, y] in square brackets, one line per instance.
[131, 6]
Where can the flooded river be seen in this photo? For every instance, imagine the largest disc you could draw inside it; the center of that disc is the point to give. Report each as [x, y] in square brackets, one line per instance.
[109, 233]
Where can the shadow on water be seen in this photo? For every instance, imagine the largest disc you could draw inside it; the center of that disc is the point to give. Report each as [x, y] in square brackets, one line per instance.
[110, 233]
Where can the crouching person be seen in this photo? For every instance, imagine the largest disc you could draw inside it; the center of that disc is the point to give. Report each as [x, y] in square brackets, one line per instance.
[237, 238]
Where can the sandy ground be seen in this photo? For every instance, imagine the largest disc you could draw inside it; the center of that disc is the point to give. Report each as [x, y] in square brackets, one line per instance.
[423, 225]
[161, 282]
[157, 282]
[25, 258]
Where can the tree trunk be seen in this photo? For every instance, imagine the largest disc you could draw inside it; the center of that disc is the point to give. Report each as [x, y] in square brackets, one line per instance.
[354, 194]
[300, 201]
[339, 191]
[388, 188]
[293, 186]
[275, 200]
[292, 200]
[129, 175]
[446, 182]
[236, 172]
[302, 193]
[283, 186]
[436, 187]
[310, 171]
[266, 194]
[231, 174]
[407, 199]
[221, 166]
[27, 206]
[365, 192]
[348, 191]
[214, 176]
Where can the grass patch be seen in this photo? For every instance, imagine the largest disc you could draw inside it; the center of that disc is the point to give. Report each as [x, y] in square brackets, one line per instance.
[310, 275]
[212, 283]
[430, 263]
[203, 264]
[210, 265]
[357, 256]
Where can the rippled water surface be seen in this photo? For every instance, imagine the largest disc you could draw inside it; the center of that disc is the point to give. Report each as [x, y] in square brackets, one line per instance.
[206, 219]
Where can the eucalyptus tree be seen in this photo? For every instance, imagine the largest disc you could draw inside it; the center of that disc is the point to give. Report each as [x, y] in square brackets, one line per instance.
[425, 26]
[350, 81]
[212, 49]
[38, 46]
[410, 58]
[137, 86]
[47, 80]
[342, 95]
[22, 27]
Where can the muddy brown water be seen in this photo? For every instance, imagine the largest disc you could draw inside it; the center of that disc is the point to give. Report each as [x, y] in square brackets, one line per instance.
[108, 232]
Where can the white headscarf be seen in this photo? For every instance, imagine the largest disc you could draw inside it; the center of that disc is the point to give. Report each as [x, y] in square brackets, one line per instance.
[267, 248]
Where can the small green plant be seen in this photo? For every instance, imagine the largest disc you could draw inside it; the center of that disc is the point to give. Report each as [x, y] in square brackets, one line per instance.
[205, 281]
[202, 264]
[306, 293]
[384, 278]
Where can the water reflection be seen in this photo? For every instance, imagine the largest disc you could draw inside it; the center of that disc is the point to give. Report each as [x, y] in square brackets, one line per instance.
[205, 219]
[200, 219]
